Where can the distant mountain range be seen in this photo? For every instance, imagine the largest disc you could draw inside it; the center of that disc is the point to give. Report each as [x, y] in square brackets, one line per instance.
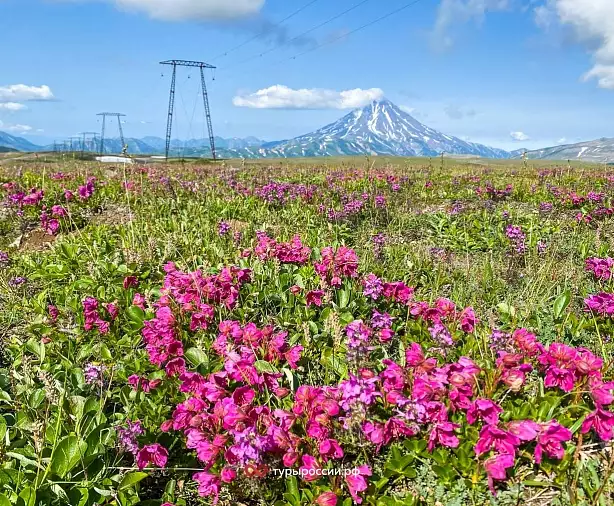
[380, 128]
[601, 150]
[17, 143]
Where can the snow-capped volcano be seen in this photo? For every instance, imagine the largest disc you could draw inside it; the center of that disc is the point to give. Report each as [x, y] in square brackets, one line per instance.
[381, 128]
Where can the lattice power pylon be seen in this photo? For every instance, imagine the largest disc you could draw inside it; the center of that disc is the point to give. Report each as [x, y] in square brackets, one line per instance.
[171, 100]
[104, 124]
[89, 142]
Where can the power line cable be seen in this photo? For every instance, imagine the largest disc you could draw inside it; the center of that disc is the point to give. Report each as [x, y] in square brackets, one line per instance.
[299, 36]
[352, 32]
[264, 32]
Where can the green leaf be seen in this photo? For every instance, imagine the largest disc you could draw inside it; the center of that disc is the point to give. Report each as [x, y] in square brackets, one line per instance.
[67, 454]
[264, 366]
[27, 497]
[506, 311]
[197, 357]
[2, 428]
[131, 479]
[37, 348]
[292, 487]
[344, 298]
[135, 314]
[561, 303]
[4, 500]
[292, 379]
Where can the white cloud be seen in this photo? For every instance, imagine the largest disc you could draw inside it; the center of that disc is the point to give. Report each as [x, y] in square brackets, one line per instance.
[519, 136]
[283, 97]
[451, 13]
[593, 22]
[181, 10]
[18, 129]
[22, 92]
[12, 106]
[562, 140]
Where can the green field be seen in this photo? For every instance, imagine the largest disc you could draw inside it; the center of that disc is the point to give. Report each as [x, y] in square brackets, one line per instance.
[179, 333]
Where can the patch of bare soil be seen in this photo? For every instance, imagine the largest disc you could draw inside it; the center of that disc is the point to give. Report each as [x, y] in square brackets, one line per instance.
[113, 215]
[36, 240]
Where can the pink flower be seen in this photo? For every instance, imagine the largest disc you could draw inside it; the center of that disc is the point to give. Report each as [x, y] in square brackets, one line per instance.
[329, 448]
[414, 358]
[549, 440]
[443, 433]
[326, 499]
[357, 483]
[130, 282]
[228, 475]
[601, 392]
[492, 437]
[385, 335]
[496, 467]
[314, 298]
[527, 342]
[53, 312]
[515, 378]
[559, 377]
[602, 422]
[112, 309]
[138, 300]
[484, 409]
[468, 320]
[293, 355]
[208, 485]
[374, 432]
[310, 470]
[525, 430]
[587, 363]
[152, 454]
[602, 304]
[600, 267]
[398, 292]
[175, 367]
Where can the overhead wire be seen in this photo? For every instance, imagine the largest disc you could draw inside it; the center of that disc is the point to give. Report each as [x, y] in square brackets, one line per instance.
[264, 32]
[346, 34]
[300, 35]
[355, 30]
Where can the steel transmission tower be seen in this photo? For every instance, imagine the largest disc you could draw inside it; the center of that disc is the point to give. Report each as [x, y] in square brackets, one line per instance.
[104, 124]
[88, 143]
[171, 101]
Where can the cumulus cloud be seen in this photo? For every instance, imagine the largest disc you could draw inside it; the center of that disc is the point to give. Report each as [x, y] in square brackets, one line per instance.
[18, 129]
[519, 136]
[23, 92]
[283, 97]
[592, 22]
[451, 13]
[12, 106]
[180, 10]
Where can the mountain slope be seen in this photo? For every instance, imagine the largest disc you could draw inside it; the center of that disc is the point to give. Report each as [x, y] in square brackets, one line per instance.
[381, 128]
[600, 150]
[17, 143]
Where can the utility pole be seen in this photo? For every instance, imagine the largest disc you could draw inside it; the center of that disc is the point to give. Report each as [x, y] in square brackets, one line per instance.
[104, 124]
[171, 100]
[85, 142]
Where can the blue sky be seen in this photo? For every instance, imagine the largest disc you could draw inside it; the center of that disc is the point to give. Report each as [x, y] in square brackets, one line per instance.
[508, 73]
